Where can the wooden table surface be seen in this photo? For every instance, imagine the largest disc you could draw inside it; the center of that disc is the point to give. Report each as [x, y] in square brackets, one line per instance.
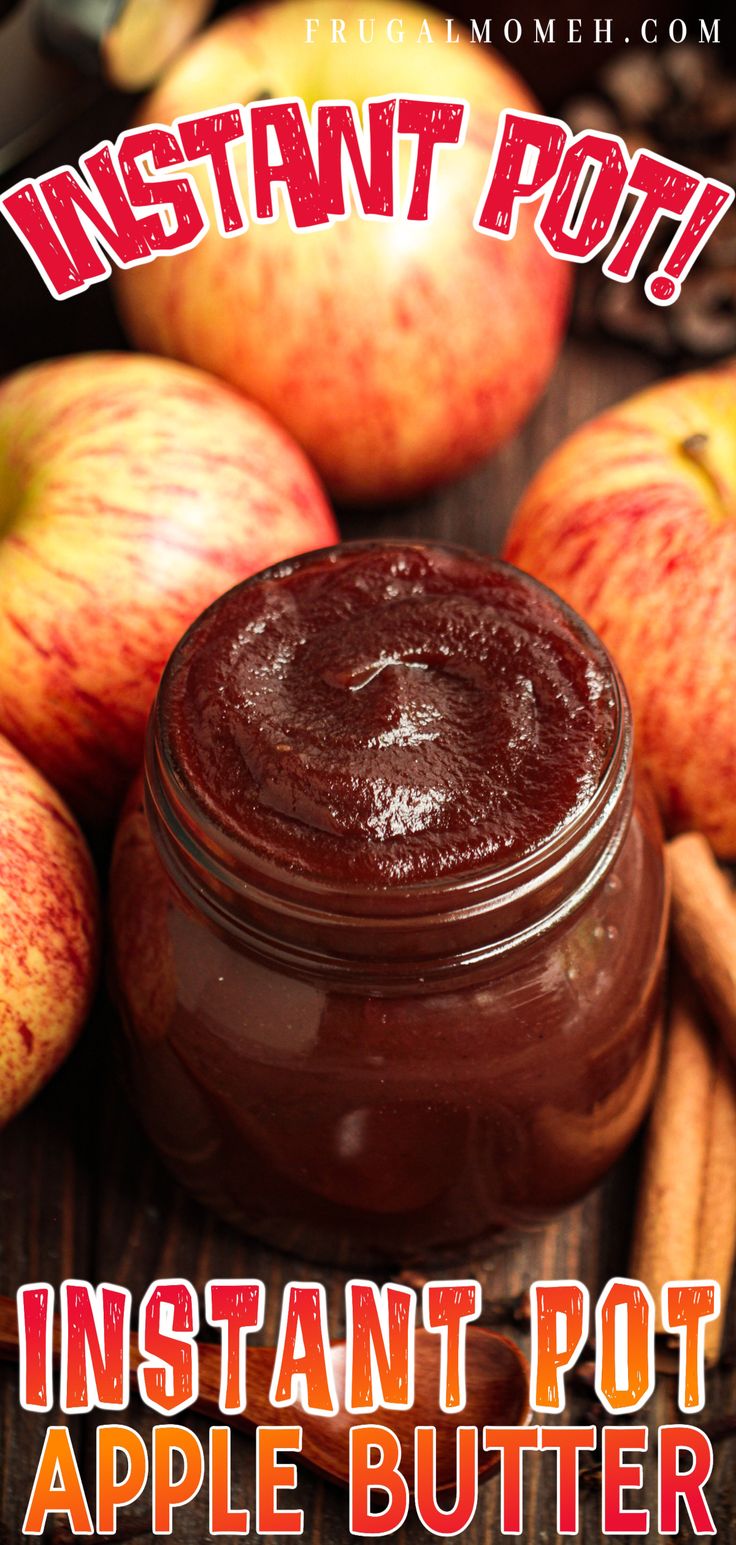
[83, 1195]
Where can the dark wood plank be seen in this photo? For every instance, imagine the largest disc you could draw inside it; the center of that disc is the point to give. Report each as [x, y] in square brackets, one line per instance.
[47, 1160]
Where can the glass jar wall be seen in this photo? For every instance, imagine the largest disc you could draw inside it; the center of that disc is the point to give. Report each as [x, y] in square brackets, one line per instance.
[382, 1003]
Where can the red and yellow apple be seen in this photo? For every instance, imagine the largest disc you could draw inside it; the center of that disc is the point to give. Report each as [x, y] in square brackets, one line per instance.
[132, 492]
[633, 521]
[48, 931]
[397, 353]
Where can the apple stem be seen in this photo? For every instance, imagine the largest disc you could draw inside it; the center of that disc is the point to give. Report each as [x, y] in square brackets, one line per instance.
[697, 448]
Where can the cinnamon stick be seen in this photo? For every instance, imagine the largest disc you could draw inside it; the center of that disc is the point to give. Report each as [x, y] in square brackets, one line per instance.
[704, 922]
[717, 1231]
[666, 1228]
[685, 1227]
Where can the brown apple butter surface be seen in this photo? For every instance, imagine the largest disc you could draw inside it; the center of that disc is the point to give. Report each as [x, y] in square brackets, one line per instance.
[381, 715]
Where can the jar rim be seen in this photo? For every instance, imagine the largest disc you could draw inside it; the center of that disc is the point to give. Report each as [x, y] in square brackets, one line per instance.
[195, 840]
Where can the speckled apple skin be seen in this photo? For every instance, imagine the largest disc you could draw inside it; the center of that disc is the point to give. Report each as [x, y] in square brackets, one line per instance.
[133, 491]
[48, 931]
[397, 353]
[641, 539]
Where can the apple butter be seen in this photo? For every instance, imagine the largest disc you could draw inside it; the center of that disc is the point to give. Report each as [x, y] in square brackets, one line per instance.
[389, 905]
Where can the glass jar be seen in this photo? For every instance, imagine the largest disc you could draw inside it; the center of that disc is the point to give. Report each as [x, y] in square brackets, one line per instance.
[389, 1073]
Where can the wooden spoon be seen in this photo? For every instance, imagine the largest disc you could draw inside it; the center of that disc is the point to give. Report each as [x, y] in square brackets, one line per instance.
[497, 1379]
